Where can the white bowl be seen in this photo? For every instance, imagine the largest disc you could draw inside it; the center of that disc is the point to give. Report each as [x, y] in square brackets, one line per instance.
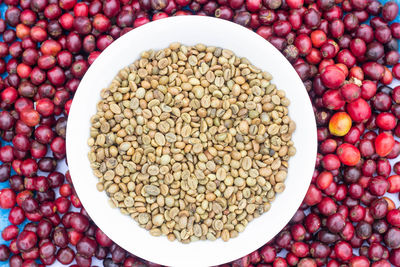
[190, 30]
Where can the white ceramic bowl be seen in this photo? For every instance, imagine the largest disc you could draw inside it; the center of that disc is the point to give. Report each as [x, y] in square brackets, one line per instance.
[190, 30]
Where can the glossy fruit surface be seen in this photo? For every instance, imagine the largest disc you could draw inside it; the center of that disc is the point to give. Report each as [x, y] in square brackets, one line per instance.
[340, 124]
[348, 154]
[384, 144]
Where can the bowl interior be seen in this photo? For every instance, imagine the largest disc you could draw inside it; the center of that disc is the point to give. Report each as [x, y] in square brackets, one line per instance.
[190, 30]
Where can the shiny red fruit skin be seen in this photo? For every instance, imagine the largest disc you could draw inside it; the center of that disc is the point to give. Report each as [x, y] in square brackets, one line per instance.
[359, 261]
[332, 77]
[7, 198]
[394, 182]
[359, 110]
[348, 154]
[313, 196]
[384, 144]
[30, 117]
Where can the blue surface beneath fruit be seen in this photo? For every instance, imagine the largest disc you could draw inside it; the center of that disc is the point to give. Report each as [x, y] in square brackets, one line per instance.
[4, 213]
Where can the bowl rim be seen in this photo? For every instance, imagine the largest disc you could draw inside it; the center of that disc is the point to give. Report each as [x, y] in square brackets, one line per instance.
[74, 164]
